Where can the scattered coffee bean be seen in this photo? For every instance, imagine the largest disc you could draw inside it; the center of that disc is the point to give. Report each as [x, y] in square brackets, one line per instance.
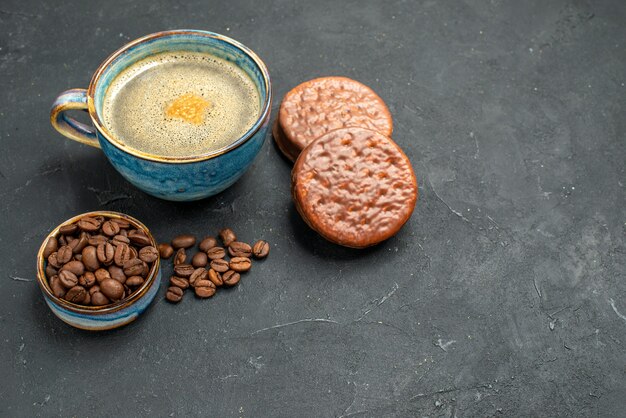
[199, 260]
[227, 235]
[198, 274]
[87, 280]
[51, 246]
[184, 270]
[112, 289]
[117, 273]
[139, 238]
[220, 265]
[68, 229]
[111, 228]
[64, 254]
[57, 288]
[165, 250]
[76, 294]
[98, 299]
[216, 253]
[239, 249]
[68, 279]
[133, 267]
[215, 277]
[261, 249]
[179, 282]
[76, 267]
[148, 254]
[240, 264]
[174, 294]
[204, 289]
[88, 224]
[231, 278]
[102, 274]
[207, 243]
[184, 241]
[180, 257]
[134, 281]
[90, 258]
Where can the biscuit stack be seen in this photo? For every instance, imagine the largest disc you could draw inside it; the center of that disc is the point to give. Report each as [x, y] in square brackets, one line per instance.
[351, 182]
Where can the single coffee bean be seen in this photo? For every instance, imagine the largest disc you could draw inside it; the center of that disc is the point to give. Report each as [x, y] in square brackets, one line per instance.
[216, 253]
[117, 274]
[231, 278]
[78, 257]
[184, 241]
[122, 223]
[133, 267]
[215, 277]
[102, 274]
[51, 246]
[87, 300]
[184, 270]
[51, 271]
[261, 249]
[79, 243]
[227, 235]
[134, 281]
[105, 253]
[110, 228]
[53, 260]
[62, 240]
[68, 229]
[90, 258]
[145, 269]
[148, 254]
[112, 289]
[68, 279]
[120, 239]
[180, 257]
[220, 265]
[139, 238]
[64, 254]
[179, 282]
[165, 250]
[240, 264]
[204, 289]
[87, 280]
[199, 260]
[198, 274]
[75, 267]
[96, 240]
[239, 249]
[127, 291]
[124, 233]
[99, 218]
[57, 288]
[93, 289]
[122, 254]
[174, 294]
[133, 252]
[89, 224]
[207, 243]
[76, 294]
[98, 299]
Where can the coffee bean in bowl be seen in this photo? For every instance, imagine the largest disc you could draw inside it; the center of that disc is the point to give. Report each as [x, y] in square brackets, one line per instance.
[99, 270]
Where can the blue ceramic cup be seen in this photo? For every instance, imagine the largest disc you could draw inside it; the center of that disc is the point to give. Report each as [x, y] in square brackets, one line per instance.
[170, 178]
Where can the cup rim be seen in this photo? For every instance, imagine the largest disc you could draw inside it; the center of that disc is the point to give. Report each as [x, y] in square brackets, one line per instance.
[265, 108]
[96, 310]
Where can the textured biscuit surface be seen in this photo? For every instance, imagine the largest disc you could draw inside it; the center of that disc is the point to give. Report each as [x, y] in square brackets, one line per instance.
[321, 105]
[354, 186]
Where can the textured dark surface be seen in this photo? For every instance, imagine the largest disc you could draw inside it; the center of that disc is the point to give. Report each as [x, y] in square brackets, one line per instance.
[503, 296]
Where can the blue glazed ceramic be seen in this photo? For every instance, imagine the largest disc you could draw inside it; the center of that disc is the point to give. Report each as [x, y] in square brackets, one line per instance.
[168, 178]
[99, 318]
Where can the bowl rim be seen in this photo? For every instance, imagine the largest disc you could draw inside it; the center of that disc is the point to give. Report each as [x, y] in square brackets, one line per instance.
[105, 309]
[264, 115]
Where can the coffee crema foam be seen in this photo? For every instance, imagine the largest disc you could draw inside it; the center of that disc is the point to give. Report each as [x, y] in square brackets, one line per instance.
[180, 104]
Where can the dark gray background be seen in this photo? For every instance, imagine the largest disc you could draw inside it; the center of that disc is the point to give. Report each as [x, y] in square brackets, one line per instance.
[504, 295]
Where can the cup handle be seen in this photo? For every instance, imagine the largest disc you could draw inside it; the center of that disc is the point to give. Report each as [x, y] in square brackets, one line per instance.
[74, 99]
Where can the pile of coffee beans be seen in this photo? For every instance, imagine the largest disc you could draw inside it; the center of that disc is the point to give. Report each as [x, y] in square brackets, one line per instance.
[97, 260]
[209, 268]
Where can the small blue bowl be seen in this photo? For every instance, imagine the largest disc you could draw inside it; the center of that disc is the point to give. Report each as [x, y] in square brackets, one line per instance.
[172, 178]
[100, 318]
